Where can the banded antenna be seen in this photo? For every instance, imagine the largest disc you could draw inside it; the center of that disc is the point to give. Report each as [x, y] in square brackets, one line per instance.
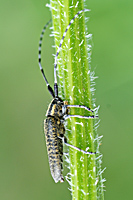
[55, 92]
[39, 59]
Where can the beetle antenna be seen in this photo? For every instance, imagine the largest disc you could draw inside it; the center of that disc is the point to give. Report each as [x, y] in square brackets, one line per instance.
[39, 59]
[57, 53]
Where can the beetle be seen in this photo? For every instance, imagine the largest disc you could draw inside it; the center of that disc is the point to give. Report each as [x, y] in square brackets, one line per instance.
[57, 113]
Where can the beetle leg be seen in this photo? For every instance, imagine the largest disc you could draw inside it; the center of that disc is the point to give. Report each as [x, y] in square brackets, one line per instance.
[80, 116]
[80, 106]
[78, 149]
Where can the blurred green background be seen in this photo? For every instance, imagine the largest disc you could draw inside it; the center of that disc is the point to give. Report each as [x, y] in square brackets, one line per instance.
[24, 170]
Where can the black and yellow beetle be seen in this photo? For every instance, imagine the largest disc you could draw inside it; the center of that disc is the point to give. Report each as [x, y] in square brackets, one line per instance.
[57, 113]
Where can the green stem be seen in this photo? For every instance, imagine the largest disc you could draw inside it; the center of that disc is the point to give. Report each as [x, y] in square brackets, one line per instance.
[75, 87]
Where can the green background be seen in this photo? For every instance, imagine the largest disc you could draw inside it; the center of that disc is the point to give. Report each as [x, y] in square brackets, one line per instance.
[24, 170]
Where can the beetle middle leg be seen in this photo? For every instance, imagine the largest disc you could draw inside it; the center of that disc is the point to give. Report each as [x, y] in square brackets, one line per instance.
[80, 116]
[66, 106]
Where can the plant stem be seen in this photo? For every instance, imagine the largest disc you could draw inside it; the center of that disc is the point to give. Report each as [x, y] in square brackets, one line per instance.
[75, 87]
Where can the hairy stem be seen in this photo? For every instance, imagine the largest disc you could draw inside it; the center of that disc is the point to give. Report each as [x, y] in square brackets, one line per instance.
[75, 86]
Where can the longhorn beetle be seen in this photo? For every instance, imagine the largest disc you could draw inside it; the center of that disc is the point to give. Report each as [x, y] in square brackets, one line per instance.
[57, 113]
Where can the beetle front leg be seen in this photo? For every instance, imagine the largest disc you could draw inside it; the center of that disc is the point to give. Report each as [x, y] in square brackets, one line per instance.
[66, 114]
[80, 106]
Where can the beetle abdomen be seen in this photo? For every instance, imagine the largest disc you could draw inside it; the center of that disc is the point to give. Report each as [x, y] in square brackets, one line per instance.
[52, 128]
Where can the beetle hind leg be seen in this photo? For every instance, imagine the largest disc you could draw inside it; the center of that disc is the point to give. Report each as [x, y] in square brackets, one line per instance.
[76, 148]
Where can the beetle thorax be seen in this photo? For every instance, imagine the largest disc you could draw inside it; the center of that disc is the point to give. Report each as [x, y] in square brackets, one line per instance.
[57, 108]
